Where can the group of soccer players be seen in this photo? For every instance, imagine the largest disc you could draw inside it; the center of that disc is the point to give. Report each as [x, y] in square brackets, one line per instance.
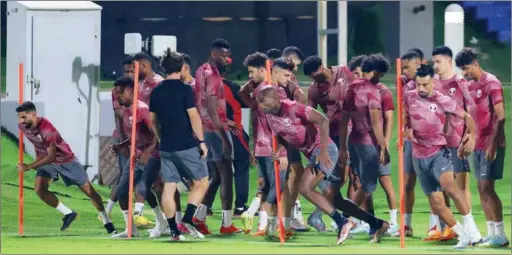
[447, 117]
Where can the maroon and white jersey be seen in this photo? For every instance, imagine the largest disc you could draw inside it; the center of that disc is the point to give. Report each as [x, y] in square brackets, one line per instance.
[116, 106]
[330, 96]
[144, 135]
[457, 88]
[43, 136]
[386, 99]
[485, 93]
[426, 118]
[208, 82]
[262, 135]
[293, 126]
[146, 87]
[361, 96]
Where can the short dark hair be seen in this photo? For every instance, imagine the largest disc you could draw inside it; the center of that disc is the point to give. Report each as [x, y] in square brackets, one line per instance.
[442, 50]
[124, 81]
[425, 70]
[220, 43]
[465, 57]
[418, 51]
[369, 64]
[256, 59]
[172, 62]
[273, 53]
[128, 60]
[381, 62]
[410, 56]
[293, 50]
[186, 59]
[284, 63]
[311, 65]
[142, 56]
[26, 107]
[356, 61]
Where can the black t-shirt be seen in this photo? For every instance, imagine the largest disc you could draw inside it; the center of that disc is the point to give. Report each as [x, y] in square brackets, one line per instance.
[170, 102]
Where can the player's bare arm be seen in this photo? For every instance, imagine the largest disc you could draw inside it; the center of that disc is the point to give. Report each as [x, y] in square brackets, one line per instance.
[50, 158]
[317, 118]
[469, 137]
[280, 154]
[155, 126]
[311, 101]
[197, 127]
[212, 111]
[245, 93]
[379, 134]
[498, 134]
[388, 126]
[345, 118]
[300, 97]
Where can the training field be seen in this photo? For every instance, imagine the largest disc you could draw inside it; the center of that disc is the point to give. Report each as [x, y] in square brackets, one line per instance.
[87, 235]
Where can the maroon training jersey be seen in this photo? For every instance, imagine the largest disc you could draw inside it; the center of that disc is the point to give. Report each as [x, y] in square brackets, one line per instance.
[209, 83]
[147, 86]
[43, 136]
[144, 135]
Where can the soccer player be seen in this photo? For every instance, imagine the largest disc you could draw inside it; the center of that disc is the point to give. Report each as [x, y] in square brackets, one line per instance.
[267, 195]
[425, 117]
[455, 86]
[54, 159]
[273, 54]
[211, 103]
[327, 91]
[489, 155]
[308, 130]
[177, 125]
[146, 153]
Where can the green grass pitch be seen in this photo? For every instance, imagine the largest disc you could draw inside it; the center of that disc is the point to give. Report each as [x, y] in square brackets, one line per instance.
[87, 235]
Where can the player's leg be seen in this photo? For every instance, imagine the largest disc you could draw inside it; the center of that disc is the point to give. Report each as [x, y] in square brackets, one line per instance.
[270, 204]
[410, 185]
[121, 161]
[241, 164]
[44, 177]
[123, 196]
[296, 169]
[487, 173]
[257, 203]
[209, 197]
[387, 186]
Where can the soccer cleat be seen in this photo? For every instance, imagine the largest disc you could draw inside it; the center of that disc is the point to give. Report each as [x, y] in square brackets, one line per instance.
[298, 226]
[177, 237]
[182, 228]
[380, 232]
[392, 230]
[361, 228]
[110, 228]
[67, 220]
[247, 222]
[461, 245]
[201, 226]
[344, 231]
[229, 230]
[193, 230]
[141, 221]
[239, 211]
[261, 232]
[317, 223]
[124, 234]
[448, 234]
[433, 235]
[408, 232]
[157, 231]
[495, 242]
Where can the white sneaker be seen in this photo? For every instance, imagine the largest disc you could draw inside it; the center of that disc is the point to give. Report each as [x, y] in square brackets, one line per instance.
[495, 242]
[464, 241]
[393, 230]
[475, 237]
[362, 228]
[157, 231]
[124, 234]
[461, 245]
[177, 238]
[297, 225]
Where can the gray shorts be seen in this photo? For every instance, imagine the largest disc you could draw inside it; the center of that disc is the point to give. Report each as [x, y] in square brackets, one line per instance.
[408, 166]
[330, 174]
[384, 170]
[144, 177]
[72, 173]
[183, 166]
[366, 163]
[429, 170]
[485, 170]
[214, 143]
[459, 165]
[339, 167]
[323, 185]
[266, 166]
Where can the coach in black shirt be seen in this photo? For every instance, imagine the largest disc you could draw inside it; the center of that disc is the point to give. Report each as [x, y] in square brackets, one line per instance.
[179, 129]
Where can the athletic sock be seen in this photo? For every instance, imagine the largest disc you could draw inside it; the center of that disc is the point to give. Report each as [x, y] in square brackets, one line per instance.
[110, 206]
[159, 217]
[189, 213]
[469, 222]
[226, 218]
[255, 205]
[392, 217]
[138, 209]
[179, 217]
[200, 213]
[126, 217]
[336, 216]
[461, 232]
[272, 224]
[63, 209]
[172, 225]
[491, 229]
[500, 229]
[408, 219]
[286, 223]
[263, 219]
[104, 217]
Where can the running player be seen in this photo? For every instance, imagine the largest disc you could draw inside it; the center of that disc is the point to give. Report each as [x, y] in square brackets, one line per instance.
[489, 155]
[211, 103]
[327, 91]
[55, 159]
[146, 154]
[308, 130]
[425, 117]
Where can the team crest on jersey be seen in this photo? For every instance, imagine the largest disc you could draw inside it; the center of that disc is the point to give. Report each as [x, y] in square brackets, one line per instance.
[479, 93]
[147, 89]
[341, 81]
[130, 120]
[39, 137]
[433, 108]
[287, 122]
[208, 71]
[452, 91]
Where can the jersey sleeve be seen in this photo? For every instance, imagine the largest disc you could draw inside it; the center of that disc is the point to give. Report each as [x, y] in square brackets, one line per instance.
[212, 83]
[466, 96]
[450, 106]
[143, 116]
[153, 101]
[189, 98]
[387, 101]
[373, 98]
[49, 133]
[495, 92]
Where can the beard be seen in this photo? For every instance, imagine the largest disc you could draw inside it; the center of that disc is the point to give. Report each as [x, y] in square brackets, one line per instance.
[28, 125]
[423, 94]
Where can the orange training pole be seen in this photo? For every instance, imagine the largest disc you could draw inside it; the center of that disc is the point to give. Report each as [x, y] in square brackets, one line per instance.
[399, 92]
[132, 146]
[21, 89]
[268, 80]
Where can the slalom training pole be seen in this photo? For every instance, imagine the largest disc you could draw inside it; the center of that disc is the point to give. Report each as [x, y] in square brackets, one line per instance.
[399, 93]
[20, 154]
[132, 146]
[268, 80]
